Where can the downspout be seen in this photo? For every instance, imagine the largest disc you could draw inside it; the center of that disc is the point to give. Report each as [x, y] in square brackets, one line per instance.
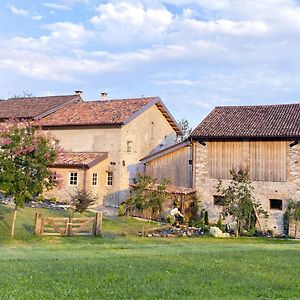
[193, 179]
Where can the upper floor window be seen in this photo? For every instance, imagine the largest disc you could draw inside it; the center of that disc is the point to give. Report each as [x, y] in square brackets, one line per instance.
[129, 146]
[95, 179]
[110, 178]
[73, 178]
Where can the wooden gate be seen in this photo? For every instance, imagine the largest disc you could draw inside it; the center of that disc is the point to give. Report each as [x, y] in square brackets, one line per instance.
[68, 226]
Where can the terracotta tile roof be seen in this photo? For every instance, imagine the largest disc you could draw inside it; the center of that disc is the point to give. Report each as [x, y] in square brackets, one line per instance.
[33, 107]
[79, 159]
[97, 112]
[264, 121]
[112, 112]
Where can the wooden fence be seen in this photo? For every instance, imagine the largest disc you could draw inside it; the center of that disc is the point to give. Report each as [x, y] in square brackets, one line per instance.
[68, 226]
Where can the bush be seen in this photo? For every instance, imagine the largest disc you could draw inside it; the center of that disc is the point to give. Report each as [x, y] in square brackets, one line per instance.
[121, 210]
[82, 199]
[220, 224]
[206, 221]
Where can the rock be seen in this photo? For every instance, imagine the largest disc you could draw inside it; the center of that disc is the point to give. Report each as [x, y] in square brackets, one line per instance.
[149, 235]
[217, 232]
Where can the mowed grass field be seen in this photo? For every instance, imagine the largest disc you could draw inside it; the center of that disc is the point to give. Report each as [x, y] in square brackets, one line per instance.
[128, 267]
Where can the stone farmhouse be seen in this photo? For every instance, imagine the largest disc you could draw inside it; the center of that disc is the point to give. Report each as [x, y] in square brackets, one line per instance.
[262, 139]
[103, 140]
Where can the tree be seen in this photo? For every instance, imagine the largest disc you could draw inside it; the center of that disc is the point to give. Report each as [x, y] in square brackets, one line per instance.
[292, 214]
[239, 201]
[185, 129]
[147, 195]
[82, 199]
[25, 153]
[25, 94]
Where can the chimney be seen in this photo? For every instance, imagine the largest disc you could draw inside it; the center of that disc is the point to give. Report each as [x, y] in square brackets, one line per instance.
[78, 93]
[103, 96]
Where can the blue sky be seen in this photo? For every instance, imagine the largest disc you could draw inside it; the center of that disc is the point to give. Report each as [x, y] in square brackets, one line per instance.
[194, 54]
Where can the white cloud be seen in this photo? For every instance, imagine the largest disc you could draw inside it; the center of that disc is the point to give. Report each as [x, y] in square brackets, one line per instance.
[24, 13]
[18, 11]
[57, 6]
[124, 21]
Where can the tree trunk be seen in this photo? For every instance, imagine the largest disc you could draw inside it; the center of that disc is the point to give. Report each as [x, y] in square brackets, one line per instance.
[237, 232]
[14, 222]
[296, 228]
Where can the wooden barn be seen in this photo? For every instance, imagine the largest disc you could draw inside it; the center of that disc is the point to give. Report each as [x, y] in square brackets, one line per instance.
[261, 139]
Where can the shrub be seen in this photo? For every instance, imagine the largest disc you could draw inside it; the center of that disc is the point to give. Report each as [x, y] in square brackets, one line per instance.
[220, 224]
[82, 199]
[121, 210]
[206, 221]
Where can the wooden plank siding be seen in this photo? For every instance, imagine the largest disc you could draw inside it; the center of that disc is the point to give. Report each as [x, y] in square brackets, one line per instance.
[173, 166]
[265, 160]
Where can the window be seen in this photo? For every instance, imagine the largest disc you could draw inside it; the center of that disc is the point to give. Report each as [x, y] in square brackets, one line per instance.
[112, 163]
[219, 200]
[129, 146]
[95, 179]
[73, 178]
[276, 204]
[110, 178]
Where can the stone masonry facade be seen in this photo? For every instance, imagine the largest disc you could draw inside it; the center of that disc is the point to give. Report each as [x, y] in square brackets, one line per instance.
[263, 190]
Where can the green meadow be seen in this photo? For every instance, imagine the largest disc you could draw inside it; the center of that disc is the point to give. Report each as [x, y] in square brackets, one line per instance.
[120, 265]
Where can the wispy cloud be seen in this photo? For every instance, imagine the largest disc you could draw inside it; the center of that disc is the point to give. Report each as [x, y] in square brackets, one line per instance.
[18, 11]
[57, 6]
[24, 13]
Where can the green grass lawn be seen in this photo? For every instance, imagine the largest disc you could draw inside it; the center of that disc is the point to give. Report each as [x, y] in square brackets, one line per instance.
[116, 267]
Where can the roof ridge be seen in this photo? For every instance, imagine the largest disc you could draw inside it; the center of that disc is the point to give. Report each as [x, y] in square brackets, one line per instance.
[34, 97]
[260, 105]
[122, 99]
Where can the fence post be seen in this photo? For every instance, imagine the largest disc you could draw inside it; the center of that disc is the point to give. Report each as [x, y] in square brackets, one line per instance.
[70, 227]
[38, 224]
[98, 224]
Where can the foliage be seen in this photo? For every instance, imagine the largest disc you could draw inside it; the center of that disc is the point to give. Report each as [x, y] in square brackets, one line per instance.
[82, 199]
[185, 129]
[206, 220]
[25, 153]
[239, 201]
[146, 194]
[292, 214]
[220, 223]
[121, 210]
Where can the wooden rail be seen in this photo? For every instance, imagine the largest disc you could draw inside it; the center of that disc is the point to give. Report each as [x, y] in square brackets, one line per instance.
[68, 226]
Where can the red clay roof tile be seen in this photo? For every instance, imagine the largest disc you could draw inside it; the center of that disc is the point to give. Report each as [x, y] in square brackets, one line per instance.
[264, 121]
[114, 112]
[79, 159]
[32, 107]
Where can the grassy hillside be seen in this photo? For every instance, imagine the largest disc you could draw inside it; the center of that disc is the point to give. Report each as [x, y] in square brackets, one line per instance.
[26, 217]
[116, 267]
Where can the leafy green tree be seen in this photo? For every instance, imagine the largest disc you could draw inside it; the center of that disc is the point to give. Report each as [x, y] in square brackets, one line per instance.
[82, 199]
[239, 201]
[25, 153]
[292, 214]
[146, 195]
[185, 129]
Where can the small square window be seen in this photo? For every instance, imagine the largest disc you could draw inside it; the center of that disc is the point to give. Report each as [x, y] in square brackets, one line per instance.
[73, 178]
[129, 146]
[219, 200]
[110, 178]
[112, 163]
[95, 179]
[276, 204]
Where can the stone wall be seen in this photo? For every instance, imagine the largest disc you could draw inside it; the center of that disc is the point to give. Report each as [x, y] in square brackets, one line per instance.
[263, 191]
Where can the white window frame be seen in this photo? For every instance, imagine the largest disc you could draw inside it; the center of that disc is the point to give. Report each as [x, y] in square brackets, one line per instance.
[72, 178]
[110, 179]
[95, 183]
[129, 146]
